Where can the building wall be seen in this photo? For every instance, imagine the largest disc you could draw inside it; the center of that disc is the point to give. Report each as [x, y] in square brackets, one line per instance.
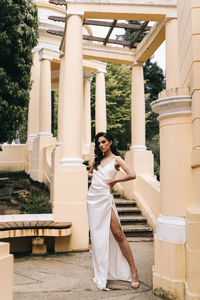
[189, 42]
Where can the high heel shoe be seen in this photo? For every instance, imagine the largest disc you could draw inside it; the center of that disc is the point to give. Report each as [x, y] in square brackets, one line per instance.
[135, 285]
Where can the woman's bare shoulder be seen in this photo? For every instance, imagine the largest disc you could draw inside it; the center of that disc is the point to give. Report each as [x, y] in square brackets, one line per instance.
[118, 159]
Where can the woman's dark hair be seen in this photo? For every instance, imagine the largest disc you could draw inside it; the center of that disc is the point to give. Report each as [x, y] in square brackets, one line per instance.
[98, 154]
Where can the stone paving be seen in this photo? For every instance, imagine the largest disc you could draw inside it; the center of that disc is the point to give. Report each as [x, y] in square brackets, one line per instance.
[69, 276]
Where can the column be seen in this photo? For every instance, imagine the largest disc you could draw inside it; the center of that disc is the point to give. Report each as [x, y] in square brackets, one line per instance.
[100, 101]
[87, 114]
[137, 108]
[73, 93]
[174, 109]
[172, 54]
[61, 99]
[138, 158]
[33, 109]
[45, 96]
[69, 175]
[37, 162]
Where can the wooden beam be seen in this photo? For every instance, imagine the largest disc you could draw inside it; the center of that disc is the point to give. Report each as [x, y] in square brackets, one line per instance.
[57, 2]
[57, 19]
[55, 32]
[109, 32]
[118, 25]
[138, 34]
[111, 41]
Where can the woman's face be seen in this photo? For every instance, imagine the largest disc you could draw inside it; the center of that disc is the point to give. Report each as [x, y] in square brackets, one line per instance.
[104, 144]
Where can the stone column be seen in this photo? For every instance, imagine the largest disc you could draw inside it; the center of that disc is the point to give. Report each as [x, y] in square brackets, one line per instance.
[100, 104]
[45, 96]
[6, 275]
[86, 117]
[174, 109]
[69, 178]
[73, 93]
[138, 158]
[44, 138]
[61, 99]
[33, 109]
[137, 108]
[172, 54]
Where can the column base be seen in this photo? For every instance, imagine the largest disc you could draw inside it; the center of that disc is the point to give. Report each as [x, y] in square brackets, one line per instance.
[193, 252]
[37, 157]
[68, 195]
[168, 289]
[169, 269]
[189, 295]
[6, 275]
[141, 161]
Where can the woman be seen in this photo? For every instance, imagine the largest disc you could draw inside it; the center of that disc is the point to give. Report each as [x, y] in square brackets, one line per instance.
[111, 253]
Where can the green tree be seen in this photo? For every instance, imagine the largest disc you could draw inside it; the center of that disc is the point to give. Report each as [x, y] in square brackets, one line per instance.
[18, 36]
[118, 91]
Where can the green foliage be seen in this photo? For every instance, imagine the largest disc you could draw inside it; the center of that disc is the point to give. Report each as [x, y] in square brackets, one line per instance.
[118, 91]
[118, 100]
[131, 33]
[154, 83]
[18, 36]
[37, 203]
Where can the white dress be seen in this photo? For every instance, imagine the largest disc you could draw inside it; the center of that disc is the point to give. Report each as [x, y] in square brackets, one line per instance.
[108, 260]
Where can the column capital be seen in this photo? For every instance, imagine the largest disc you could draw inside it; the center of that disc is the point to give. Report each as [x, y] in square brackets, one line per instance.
[170, 17]
[79, 13]
[137, 63]
[101, 71]
[45, 57]
[89, 78]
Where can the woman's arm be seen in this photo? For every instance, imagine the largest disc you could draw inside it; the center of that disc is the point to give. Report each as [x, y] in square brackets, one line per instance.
[90, 172]
[130, 174]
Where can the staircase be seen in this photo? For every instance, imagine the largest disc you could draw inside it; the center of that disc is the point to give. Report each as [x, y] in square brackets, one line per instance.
[134, 225]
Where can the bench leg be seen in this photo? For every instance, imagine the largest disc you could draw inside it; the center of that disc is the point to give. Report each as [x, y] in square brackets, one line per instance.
[39, 245]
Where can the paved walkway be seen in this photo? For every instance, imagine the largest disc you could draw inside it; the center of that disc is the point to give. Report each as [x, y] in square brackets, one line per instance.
[69, 277]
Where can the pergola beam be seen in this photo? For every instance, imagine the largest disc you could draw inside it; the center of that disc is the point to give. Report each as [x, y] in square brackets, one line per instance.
[109, 32]
[58, 2]
[57, 18]
[143, 26]
[55, 32]
[110, 41]
[118, 25]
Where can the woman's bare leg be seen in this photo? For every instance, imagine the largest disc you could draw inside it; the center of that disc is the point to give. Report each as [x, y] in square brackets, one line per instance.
[123, 244]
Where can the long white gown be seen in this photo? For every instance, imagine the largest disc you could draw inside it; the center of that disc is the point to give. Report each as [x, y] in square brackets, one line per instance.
[108, 260]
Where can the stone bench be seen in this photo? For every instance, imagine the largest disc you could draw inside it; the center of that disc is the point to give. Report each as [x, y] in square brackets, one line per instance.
[37, 226]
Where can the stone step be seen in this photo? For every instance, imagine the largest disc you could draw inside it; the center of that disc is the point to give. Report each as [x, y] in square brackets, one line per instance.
[116, 195]
[139, 239]
[130, 219]
[137, 230]
[124, 202]
[128, 210]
